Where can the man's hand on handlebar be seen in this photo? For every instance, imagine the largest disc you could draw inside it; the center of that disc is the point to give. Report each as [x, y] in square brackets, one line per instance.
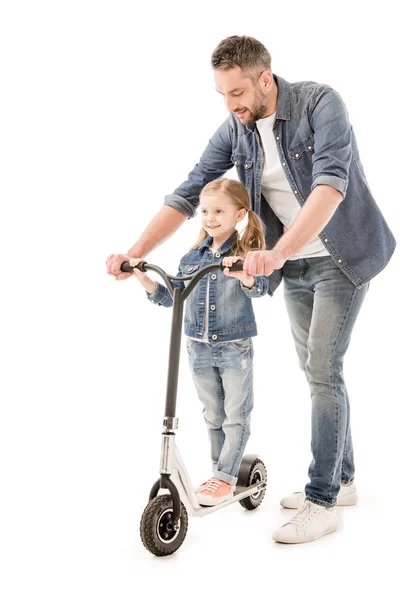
[114, 262]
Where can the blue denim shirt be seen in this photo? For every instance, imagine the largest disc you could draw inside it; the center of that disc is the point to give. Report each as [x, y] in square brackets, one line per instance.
[316, 145]
[230, 314]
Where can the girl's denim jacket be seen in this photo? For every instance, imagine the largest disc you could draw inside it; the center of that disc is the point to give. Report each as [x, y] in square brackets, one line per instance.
[230, 312]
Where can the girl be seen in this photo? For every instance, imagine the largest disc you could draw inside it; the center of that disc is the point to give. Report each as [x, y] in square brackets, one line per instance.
[219, 322]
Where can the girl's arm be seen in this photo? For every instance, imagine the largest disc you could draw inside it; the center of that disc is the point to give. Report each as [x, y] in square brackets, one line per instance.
[156, 292]
[253, 287]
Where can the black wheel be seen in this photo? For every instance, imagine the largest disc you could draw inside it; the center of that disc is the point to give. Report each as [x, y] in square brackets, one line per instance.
[256, 472]
[156, 528]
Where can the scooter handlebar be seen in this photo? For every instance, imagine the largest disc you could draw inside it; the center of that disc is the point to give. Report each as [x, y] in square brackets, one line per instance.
[237, 266]
[126, 267]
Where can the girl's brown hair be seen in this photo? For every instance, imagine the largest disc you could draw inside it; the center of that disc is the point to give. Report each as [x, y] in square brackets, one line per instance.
[252, 237]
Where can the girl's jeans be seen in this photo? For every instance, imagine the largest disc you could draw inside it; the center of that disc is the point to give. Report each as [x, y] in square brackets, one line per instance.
[323, 306]
[223, 376]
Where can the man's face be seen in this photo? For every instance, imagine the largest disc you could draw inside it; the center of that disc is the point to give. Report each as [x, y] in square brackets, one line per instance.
[244, 97]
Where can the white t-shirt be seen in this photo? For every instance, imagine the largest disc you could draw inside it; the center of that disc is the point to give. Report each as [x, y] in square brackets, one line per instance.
[277, 191]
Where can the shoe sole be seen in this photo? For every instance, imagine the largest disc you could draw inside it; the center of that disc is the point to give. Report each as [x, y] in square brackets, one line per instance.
[214, 501]
[330, 529]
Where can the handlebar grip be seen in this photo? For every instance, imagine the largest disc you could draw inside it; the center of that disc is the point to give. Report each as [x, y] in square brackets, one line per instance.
[237, 266]
[126, 267]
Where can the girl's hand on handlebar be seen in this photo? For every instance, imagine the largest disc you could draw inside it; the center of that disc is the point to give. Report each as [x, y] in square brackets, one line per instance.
[228, 261]
[136, 273]
[148, 284]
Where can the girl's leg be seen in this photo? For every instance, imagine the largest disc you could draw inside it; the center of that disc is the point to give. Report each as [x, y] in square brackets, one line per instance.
[235, 362]
[208, 384]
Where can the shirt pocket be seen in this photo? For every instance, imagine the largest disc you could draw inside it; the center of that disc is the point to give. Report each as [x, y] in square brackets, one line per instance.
[302, 156]
[244, 167]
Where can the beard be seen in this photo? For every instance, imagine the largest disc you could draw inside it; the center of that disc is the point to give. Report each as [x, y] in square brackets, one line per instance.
[259, 111]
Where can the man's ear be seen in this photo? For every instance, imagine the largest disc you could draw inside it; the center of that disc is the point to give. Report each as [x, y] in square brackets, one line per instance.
[266, 79]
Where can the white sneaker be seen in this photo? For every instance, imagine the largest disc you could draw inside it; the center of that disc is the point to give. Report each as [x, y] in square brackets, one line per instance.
[347, 497]
[311, 522]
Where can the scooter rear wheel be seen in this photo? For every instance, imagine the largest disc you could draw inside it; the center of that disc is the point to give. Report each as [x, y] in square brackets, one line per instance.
[256, 472]
[156, 527]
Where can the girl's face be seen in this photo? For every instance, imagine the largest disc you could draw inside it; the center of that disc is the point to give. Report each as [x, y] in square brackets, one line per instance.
[219, 216]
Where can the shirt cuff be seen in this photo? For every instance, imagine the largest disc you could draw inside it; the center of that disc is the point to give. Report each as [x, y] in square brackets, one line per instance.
[253, 291]
[180, 204]
[336, 182]
[157, 296]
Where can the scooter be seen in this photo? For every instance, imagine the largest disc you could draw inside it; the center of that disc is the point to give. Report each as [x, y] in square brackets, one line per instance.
[164, 522]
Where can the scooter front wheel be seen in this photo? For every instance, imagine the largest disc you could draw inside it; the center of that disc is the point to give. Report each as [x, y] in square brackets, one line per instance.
[158, 533]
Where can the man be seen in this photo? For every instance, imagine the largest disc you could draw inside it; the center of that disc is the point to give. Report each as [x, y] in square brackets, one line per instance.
[295, 151]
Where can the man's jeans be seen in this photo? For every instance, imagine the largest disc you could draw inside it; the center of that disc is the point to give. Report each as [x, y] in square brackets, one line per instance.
[223, 376]
[323, 305]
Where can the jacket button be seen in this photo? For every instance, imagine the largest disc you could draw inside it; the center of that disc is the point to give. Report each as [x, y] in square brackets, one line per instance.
[218, 255]
[214, 337]
[340, 260]
[297, 155]
[283, 164]
[309, 147]
[325, 240]
[213, 276]
[190, 269]
[277, 137]
[212, 307]
[295, 191]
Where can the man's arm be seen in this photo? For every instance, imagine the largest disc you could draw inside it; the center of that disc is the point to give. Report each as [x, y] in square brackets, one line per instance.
[311, 220]
[160, 228]
[180, 205]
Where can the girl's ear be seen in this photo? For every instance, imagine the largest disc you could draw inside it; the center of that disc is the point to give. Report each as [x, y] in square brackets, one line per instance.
[241, 214]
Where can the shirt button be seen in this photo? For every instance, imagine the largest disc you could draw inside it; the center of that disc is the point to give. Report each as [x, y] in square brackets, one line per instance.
[214, 337]
[309, 147]
[277, 137]
[235, 163]
[284, 164]
[190, 269]
[295, 191]
[218, 255]
[213, 276]
[212, 307]
[325, 240]
[340, 260]
[297, 155]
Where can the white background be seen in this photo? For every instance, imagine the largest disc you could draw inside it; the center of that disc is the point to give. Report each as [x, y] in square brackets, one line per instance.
[105, 108]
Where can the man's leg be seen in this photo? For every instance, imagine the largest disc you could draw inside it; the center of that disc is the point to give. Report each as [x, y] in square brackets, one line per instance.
[321, 298]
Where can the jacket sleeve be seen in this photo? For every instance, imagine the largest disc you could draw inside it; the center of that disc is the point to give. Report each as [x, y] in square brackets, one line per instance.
[260, 287]
[332, 141]
[161, 294]
[214, 162]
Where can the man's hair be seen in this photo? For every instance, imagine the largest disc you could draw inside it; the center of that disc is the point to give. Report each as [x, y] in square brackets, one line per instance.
[241, 51]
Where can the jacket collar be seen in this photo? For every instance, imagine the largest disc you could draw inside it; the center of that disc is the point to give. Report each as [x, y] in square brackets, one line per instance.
[227, 245]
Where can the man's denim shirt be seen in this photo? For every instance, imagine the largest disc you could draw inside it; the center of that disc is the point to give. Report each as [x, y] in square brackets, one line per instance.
[316, 145]
[230, 312]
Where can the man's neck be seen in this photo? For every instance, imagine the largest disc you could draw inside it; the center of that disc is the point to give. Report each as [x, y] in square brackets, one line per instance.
[272, 101]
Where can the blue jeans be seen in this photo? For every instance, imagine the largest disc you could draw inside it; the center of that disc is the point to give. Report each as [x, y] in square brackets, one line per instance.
[223, 376]
[323, 306]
